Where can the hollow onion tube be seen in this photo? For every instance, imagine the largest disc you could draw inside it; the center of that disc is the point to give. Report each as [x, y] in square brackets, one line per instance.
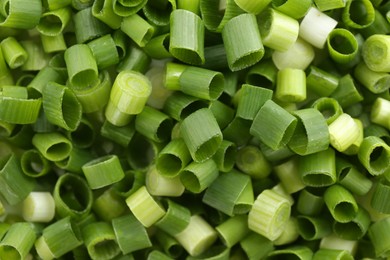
[225, 156]
[61, 106]
[104, 50]
[100, 240]
[201, 133]
[269, 214]
[342, 45]
[291, 85]
[103, 171]
[380, 196]
[197, 176]
[376, 82]
[251, 99]
[132, 181]
[253, 7]
[169, 245]
[278, 31]
[323, 253]
[104, 11]
[197, 237]
[354, 229]
[14, 185]
[124, 9]
[233, 230]
[312, 228]
[262, 74]
[144, 207]
[256, 246]
[309, 204]
[135, 59]
[343, 132]
[22, 14]
[315, 27]
[321, 82]
[109, 205]
[139, 30]
[58, 238]
[159, 92]
[340, 203]
[231, 193]
[53, 146]
[130, 234]
[53, 44]
[159, 185]
[176, 218]
[243, 47]
[158, 12]
[318, 169]
[52, 23]
[351, 178]
[34, 164]
[5, 74]
[72, 196]
[376, 54]
[223, 113]
[329, 108]
[18, 241]
[289, 176]
[39, 206]
[374, 155]
[173, 158]
[293, 8]
[81, 65]
[179, 105]
[14, 54]
[323, 5]
[273, 125]
[380, 112]
[37, 58]
[358, 14]
[173, 72]
[378, 236]
[214, 20]
[158, 47]
[19, 110]
[186, 48]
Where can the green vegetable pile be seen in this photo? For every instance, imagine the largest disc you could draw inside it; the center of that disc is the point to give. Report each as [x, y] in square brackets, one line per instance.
[194, 129]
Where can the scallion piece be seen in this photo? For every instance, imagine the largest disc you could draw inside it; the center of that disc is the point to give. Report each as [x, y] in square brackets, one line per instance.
[109, 205]
[376, 82]
[291, 85]
[343, 132]
[158, 47]
[87, 27]
[39, 207]
[293, 8]
[225, 156]
[341, 203]
[176, 219]
[251, 99]
[358, 14]
[342, 45]
[34, 164]
[53, 44]
[254, 7]
[139, 30]
[14, 54]
[351, 178]
[378, 236]
[325, 5]
[104, 11]
[160, 185]
[321, 82]
[374, 155]
[289, 176]
[105, 51]
[18, 241]
[329, 108]
[262, 74]
[52, 23]
[233, 230]
[197, 176]
[53, 146]
[21, 14]
[324, 253]
[298, 252]
[158, 12]
[312, 228]
[354, 229]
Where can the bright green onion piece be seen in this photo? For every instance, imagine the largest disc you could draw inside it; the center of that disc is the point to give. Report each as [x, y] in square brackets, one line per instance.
[58, 239]
[124, 9]
[318, 169]
[160, 185]
[321, 82]
[244, 48]
[104, 50]
[61, 106]
[5, 74]
[130, 234]
[197, 237]
[158, 47]
[378, 236]
[14, 185]
[251, 99]
[53, 23]
[295, 252]
[158, 255]
[100, 240]
[139, 30]
[16, 110]
[380, 112]
[233, 230]
[18, 241]
[358, 14]
[354, 229]
[256, 246]
[376, 53]
[44, 76]
[225, 156]
[289, 176]
[329, 108]
[273, 125]
[132, 182]
[298, 56]
[53, 146]
[343, 132]
[315, 27]
[351, 178]
[324, 253]
[201, 133]
[291, 85]
[326, 5]
[39, 206]
[72, 196]
[37, 58]
[342, 45]
[374, 155]
[380, 25]
[293, 8]
[231, 193]
[109, 205]
[190, 5]
[215, 18]
[81, 65]
[135, 59]
[312, 228]
[144, 207]
[186, 37]
[253, 7]
[262, 74]
[197, 176]
[76, 159]
[179, 105]
[223, 113]
[309, 204]
[103, 171]
[104, 11]
[56, 4]
[21, 14]
[14, 54]
[376, 82]
[340, 203]
[53, 44]
[209, 84]
[173, 72]
[173, 158]
[176, 218]
[278, 31]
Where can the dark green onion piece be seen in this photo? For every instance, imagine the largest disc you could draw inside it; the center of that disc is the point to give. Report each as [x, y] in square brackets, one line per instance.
[53, 23]
[326, 5]
[324, 253]
[124, 9]
[37, 58]
[379, 238]
[312, 228]
[109, 205]
[17, 110]
[119, 134]
[289, 176]
[179, 105]
[262, 74]
[309, 204]
[34, 164]
[237, 131]
[158, 12]
[225, 156]
[256, 246]
[170, 247]
[347, 93]
[351, 178]
[340, 203]
[380, 196]
[53, 146]
[76, 159]
[187, 37]
[53, 44]
[197, 176]
[354, 229]
[135, 59]
[176, 218]
[251, 99]
[244, 47]
[233, 230]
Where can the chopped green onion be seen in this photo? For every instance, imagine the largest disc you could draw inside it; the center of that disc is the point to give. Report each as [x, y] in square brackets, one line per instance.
[52, 23]
[374, 155]
[343, 132]
[13, 52]
[354, 229]
[291, 85]
[162, 185]
[197, 176]
[325, 5]
[254, 7]
[109, 205]
[87, 27]
[312, 228]
[293, 8]
[216, 17]
[18, 241]
[376, 82]
[139, 30]
[39, 207]
[233, 230]
[250, 160]
[251, 99]
[104, 11]
[176, 219]
[289, 176]
[358, 14]
[332, 254]
[22, 14]
[342, 45]
[378, 235]
[341, 203]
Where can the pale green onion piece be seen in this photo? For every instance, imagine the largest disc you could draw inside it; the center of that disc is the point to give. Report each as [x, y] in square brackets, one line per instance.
[329, 108]
[315, 27]
[72, 196]
[376, 82]
[103, 171]
[334, 242]
[355, 229]
[251, 98]
[374, 155]
[58, 238]
[269, 214]
[176, 218]
[298, 56]
[233, 230]
[289, 176]
[53, 44]
[14, 185]
[343, 132]
[250, 160]
[61, 106]
[130, 234]
[326, 5]
[39, 206]
[225, 156]
[312, 228]
[14, 54]
[291, 85]
[201, 133]
[341, 203]
[273, 125]
[18, 241]
[109, 205]
[376, 53]
[332, 254]
[354, 147]
[380, 112]
[279, 189]
[159, 92]
[231, 193]
[22, 14]
[358, 14]
[342, 45]
[318, 169]
[162, 185]
[173, 72]
[139, 30]
[53, 146]
[197, 176]
[104, 11]
[293, 8]
[81, 65]
[278, 31]
[244, 47]
[197, 237]
[379, 238]
[144, 207]
[188, 49]
[53, 23]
